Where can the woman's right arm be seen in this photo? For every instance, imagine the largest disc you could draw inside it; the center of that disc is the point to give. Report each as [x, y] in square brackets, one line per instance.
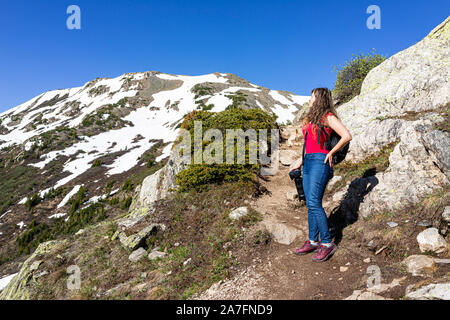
[341, 130]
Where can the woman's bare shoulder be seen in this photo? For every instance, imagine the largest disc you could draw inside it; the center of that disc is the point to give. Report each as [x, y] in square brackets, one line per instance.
[325, 120]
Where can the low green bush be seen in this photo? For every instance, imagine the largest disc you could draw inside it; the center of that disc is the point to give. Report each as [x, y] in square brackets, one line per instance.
[128, 186]
[352, 73]
[96, 163]
[38, 232]
[198, 176]
[33, 201]
[126, 202]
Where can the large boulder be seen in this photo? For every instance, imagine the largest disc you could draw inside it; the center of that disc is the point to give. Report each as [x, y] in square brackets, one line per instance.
[136, 240]
[157, 185]
[19, 287]
[413, 171]
[412, 81]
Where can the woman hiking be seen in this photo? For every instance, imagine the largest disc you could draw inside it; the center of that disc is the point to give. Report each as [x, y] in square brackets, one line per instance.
[318, 169]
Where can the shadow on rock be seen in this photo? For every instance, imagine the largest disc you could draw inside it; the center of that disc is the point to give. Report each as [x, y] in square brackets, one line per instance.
[347, 212]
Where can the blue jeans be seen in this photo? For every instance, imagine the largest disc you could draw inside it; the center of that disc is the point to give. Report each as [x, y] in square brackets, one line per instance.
[315, 178]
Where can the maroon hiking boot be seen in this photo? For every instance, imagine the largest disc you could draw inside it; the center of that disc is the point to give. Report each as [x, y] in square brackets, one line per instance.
[324, 253]
[306, 248]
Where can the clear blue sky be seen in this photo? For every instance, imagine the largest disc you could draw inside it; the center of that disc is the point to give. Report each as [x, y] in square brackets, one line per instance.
[288, 45]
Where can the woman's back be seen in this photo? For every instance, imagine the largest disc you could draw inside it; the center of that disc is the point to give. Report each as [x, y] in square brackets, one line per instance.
[311, 145]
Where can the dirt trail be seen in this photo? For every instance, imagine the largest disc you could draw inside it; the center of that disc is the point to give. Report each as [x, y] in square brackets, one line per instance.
[278, 273]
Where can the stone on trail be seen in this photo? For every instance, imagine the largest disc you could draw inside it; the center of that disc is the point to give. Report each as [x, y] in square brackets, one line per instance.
[287, 157]
[431, 240]
[419, 265]
[295, 164]
[281, 233]
[446, 214]
[155, 254]
[136, 240]
[424, 223]
[364, 295]
[292, 195]
[392, 224]
[236, 214]
[137, 255]
[382, 287]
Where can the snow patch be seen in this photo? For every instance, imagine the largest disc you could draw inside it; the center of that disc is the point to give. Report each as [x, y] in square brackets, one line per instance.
[6, 280]
[68, 196]
[57, 215]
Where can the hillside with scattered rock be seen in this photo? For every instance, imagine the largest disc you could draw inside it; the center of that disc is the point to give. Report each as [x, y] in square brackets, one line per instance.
[388, 202]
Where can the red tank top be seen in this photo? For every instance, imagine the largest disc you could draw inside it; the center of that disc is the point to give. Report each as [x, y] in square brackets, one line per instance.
[311, 141]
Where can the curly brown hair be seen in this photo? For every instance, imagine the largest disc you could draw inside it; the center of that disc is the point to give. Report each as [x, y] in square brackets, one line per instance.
[322, 105]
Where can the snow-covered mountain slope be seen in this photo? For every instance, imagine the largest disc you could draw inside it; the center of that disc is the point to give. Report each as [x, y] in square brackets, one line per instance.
[125, 117]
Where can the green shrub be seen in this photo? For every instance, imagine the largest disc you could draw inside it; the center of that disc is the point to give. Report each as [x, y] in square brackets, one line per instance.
[150, 162]
[97, 163]
[76, 201]
[113, 201]
[239, 99]
[37, 233]
[33, 201]
[351, 75]
[197, 176]
[109, 186]
[122, 102]
[201, 90]
[128, 186]
[205, 107]
[78, 219]
[126, 202]
[15, 182]
[33, 236]
[53, 193]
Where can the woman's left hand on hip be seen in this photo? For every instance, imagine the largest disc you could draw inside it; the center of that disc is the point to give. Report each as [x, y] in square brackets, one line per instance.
[329, 158]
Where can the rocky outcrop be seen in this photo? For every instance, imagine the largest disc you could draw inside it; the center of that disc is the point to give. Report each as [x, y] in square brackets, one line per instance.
[414, 171]
[412, 81]
[136, 240]
[434, 291]
[157, 185]
[19, 287]
[401, 100]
